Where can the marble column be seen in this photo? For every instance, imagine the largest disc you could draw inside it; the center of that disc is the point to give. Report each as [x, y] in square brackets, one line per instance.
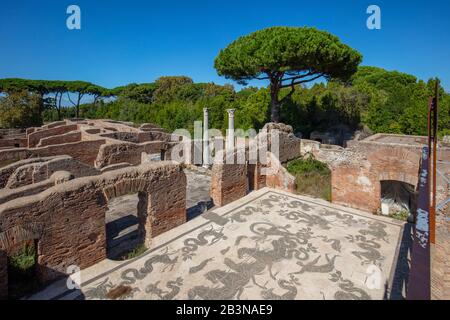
[206, 161]
[230, 133]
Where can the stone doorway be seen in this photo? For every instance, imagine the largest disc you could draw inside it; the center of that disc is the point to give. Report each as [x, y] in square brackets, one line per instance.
[125, 225]
[22, 269]
[397, 197]
[251, 170]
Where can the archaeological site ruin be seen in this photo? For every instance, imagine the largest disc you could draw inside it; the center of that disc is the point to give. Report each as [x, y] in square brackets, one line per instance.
[83, 192]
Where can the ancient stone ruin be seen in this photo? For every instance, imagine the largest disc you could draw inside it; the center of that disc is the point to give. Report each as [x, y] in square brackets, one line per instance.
[57, 182]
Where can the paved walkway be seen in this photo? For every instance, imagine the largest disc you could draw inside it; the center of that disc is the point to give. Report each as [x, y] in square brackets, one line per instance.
[268, 245]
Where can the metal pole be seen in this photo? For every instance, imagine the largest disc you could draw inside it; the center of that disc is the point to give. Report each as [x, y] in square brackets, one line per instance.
[433, 200]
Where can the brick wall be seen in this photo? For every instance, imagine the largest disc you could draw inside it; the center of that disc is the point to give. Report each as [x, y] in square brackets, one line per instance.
[73, 136]
[440, 259]
[3, 275]
[278, 177]
[72, 215]
[356, 182]
[13, 143]
[126, 152]
[228, 183]
[289, 144]
[14, 154]
[42, 170]
[35, 137]
[83, 151]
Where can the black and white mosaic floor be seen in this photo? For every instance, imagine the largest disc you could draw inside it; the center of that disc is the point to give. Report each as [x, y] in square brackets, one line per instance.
[268, 245]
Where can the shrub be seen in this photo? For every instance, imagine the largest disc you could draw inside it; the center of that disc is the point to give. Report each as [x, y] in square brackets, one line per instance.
[312, 177]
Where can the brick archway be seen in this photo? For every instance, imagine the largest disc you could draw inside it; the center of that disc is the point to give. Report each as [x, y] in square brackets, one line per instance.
[9, 240]
[72, 214]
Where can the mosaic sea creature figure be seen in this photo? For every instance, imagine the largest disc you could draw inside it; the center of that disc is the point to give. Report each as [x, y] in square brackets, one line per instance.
[130, 275]
[313, 267]
[192, 244]
[348, 290]
[174, 286]
[290, 294]
[201, 266]
[370, 253]
[100, 291]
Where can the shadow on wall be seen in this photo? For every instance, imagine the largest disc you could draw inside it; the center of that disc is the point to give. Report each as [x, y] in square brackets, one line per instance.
[401, 269]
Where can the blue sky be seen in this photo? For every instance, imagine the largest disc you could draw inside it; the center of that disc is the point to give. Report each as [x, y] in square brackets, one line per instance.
[138, 41]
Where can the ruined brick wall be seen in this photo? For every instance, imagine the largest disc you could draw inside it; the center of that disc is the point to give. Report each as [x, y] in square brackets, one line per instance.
[83, 151]
[8, 170]
[55, 124]
[42, 168]
[440, 252]
[73, 136]
[122, 136]
[3, 275]
[35, 188]
[278, 177]
[35, 137]
[13, 143]
[228, 183]
[14, 154]
[126, 152]
[356, 181]
[289, 144]
[146, 136]
[68, 220]
[440, 258]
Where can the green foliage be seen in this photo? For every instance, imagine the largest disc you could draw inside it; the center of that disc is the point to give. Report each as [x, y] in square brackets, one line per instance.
[385, 101]
[400, 215]
[398, 103]
[167, 87]
[287, 49]
[24, 259]
[287, 57]
[21, 272]
[312, 177]
[308, 165]
[136, 252]
[20, 109]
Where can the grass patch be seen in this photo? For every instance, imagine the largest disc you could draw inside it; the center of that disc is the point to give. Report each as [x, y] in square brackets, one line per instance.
[312, 177]
[400, 215]
[22, 278]
[136, 252]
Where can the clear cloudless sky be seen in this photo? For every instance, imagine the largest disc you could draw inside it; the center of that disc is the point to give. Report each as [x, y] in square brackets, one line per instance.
[138, 41]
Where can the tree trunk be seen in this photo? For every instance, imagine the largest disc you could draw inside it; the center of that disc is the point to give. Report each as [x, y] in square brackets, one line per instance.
[275, 104]
[59, 107]
[78, 105]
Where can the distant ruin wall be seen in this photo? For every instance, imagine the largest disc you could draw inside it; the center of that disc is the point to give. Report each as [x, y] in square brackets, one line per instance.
[13, 143]
[35, 188]
[83, 151]
[8, 170]
[153, 136]
[73, 136]
[126, 152]
[55, 124]
[289, 144]
[35, 137]
[41, 170]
